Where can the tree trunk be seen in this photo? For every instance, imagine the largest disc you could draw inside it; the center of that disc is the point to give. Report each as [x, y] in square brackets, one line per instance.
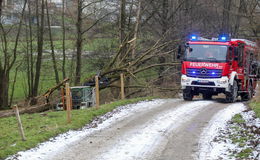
[27, 58]
[13, 86]
[63, 40]
[40, 28]
[4, 83]
[122, 20]
[52, 47]
[241, 10]
[130, 15]
[138, 16]
[79, 43]
[226, 17]
[9, 60]
[31, 61]
[4, 78]
[162, 59]
[1, 6]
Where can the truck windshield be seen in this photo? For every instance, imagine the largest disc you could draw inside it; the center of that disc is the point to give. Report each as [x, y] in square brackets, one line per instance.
[76, 93]
[205, 52]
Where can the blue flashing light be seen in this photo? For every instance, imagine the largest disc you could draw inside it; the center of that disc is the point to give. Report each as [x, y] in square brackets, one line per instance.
[223, 38]
[193, 37]
[193, 72]
[213, 73]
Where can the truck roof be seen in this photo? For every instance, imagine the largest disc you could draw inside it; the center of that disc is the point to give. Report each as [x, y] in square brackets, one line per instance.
[80, 87]
[232, 41]
[247, 42]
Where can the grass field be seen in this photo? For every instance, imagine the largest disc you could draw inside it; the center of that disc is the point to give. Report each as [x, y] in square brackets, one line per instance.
[255, 103]
[40, 127]
[47, 79]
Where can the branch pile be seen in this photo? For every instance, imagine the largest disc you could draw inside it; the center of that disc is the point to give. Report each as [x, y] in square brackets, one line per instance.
[124, 61]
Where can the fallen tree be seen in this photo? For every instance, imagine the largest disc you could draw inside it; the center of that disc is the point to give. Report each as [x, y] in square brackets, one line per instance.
[44, 102]
[131, 65]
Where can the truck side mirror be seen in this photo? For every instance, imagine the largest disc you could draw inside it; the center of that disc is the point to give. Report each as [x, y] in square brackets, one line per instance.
[179, 54]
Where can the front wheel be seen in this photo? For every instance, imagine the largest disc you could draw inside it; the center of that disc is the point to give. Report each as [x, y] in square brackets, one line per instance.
[187, 95]
[232, 95]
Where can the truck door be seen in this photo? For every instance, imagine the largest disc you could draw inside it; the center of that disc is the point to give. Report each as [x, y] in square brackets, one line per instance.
[240, 49]
[246, 68]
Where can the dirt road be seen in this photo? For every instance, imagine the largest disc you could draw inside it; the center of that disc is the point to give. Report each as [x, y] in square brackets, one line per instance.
[164, 129]
[167, 130]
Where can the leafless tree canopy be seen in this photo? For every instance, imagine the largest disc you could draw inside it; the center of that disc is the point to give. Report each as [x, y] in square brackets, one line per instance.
[44, 41]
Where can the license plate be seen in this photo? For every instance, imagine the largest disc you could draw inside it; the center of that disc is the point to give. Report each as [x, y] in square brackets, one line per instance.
[203, 81]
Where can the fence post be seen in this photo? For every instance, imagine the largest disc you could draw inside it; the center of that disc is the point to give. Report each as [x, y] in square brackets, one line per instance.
[122, 86]
[63, 98]
[97, 91]
[20, 126]
[68, 102]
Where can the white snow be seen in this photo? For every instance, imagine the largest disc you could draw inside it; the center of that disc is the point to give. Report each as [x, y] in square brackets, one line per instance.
[48, 149]
[208, 149]
[141, 143]
[250, 119]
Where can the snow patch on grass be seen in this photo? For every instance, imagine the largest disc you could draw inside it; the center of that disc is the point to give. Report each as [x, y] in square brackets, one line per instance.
[208, 148]
[48, 149]
[251, 119]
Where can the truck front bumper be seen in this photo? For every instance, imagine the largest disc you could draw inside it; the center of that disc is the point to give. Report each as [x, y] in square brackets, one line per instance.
[222, 82]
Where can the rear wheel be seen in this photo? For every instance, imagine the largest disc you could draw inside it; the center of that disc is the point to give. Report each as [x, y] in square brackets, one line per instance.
[207, 96]
[187, 95]
[247, 96]
[232, 95]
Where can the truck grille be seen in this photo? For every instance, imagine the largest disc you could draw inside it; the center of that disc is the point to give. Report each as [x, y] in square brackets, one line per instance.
[204, 73]
[203, 84]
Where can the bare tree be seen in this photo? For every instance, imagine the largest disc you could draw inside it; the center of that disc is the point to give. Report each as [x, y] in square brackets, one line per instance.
[30, 60]
[137, 24]
[79, 41]
[241, 11]
[52, 46]
[63, 40]
[122, 20]
[9, 59]
[81, 16]
[1, 6]
[40, 32]
[226, 16]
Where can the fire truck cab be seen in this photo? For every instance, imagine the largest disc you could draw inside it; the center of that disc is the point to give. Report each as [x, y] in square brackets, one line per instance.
[222, 65]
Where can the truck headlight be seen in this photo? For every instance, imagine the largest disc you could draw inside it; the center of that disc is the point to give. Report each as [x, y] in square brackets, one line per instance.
[185, 79]
[222, 81]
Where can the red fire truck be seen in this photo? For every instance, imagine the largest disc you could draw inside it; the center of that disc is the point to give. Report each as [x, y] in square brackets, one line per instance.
[221, 65]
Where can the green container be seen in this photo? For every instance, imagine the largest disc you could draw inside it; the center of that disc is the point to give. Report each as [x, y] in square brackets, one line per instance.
[82, 97]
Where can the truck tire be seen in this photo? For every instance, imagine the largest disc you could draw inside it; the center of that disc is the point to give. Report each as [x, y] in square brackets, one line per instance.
[232, 95]
[187, 95]
[207, 96]
[249, 95]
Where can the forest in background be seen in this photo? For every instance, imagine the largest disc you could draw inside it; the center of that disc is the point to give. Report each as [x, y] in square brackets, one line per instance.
[79, 39]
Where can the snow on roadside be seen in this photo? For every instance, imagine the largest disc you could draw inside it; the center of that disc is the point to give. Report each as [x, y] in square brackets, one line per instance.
[210, 150]
[142, 142]
[251, 119]
[47, 149]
